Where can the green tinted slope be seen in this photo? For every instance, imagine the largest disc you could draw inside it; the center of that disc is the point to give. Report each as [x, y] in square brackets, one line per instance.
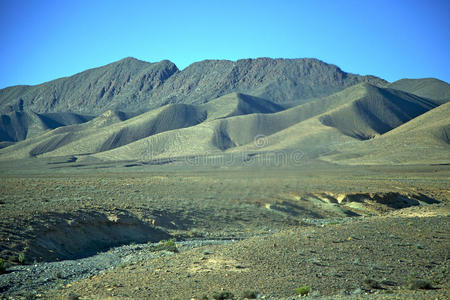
[114, 129]
[424, 139]
[298, 128]
[426, 87]
[17, 126]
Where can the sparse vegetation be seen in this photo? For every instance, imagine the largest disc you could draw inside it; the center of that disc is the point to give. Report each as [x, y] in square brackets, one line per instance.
[223, 295]
[2, 266]
[303, 290]
[122, 265]
[250, 295]
[218, 266]
[165, 245]
[21, 258]
[29, 296]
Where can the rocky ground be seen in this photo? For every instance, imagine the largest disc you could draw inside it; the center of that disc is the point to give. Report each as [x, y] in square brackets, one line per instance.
[373, 232]
[374, 255]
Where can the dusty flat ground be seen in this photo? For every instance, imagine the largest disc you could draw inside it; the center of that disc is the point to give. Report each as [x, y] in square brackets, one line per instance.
[328, 227]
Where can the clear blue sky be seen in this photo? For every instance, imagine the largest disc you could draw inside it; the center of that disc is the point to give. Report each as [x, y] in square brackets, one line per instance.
[44, 40]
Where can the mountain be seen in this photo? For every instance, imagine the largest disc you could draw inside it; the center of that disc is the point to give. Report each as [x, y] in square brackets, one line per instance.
[123, 84]
[361, 112]
[279, 80]
[252, 108]
[230, 124]
[425, 139]
[351, 116]
[115, 129]
[17, 126]
[133, 85]
[426, 87]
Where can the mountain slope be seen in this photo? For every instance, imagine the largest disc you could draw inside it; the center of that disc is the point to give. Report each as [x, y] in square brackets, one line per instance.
[426, 87]
[17, 126]
[378, 112]
[425, 139]
[297, 129]
[133, 85]
[279, 80]
[114, 129]
[123, 84]
[339, 119]
[232, 123]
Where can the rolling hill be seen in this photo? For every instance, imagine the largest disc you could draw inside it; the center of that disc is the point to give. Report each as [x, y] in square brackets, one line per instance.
[423, 140]
[17, 126]
[114, 129]
[431, 88]
[229, 124]
[254, 107]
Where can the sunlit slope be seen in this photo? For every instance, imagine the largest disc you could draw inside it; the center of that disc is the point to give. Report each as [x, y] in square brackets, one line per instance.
[126, 83]
[424, 139]
[378, 111]
[92, 139]
[225, 130]
[351, 116]
[431, 88]
[231, 124]
[301, 128]
[114, 129]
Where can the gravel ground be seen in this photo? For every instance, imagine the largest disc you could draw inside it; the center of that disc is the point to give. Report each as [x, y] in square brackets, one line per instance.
[29, 280]
[376, 256]
[282, 241]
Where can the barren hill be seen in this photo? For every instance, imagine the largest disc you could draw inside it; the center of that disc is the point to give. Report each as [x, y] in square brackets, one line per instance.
[133, 85]
[232, 124]
[144, 111]
[114, 129]
[424, 139]
[119, 84]
[431, 88]
[17, 126]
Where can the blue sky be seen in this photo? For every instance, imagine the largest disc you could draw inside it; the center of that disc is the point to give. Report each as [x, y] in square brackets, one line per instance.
[44, 40]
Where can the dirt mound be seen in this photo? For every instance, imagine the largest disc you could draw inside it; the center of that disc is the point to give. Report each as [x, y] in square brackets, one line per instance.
[77, 235]
[368, 203]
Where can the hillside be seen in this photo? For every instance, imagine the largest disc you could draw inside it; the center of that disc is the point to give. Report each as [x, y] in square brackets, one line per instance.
[431, 88]
[122, 84]
[133, 85]
[145, 111]
[232, 124]
[17, 126]
[279, 80]
[422, 140]
[114, 129]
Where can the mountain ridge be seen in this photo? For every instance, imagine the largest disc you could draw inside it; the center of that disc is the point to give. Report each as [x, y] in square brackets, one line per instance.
[230, 124]
[431, 88]
[133, 85]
